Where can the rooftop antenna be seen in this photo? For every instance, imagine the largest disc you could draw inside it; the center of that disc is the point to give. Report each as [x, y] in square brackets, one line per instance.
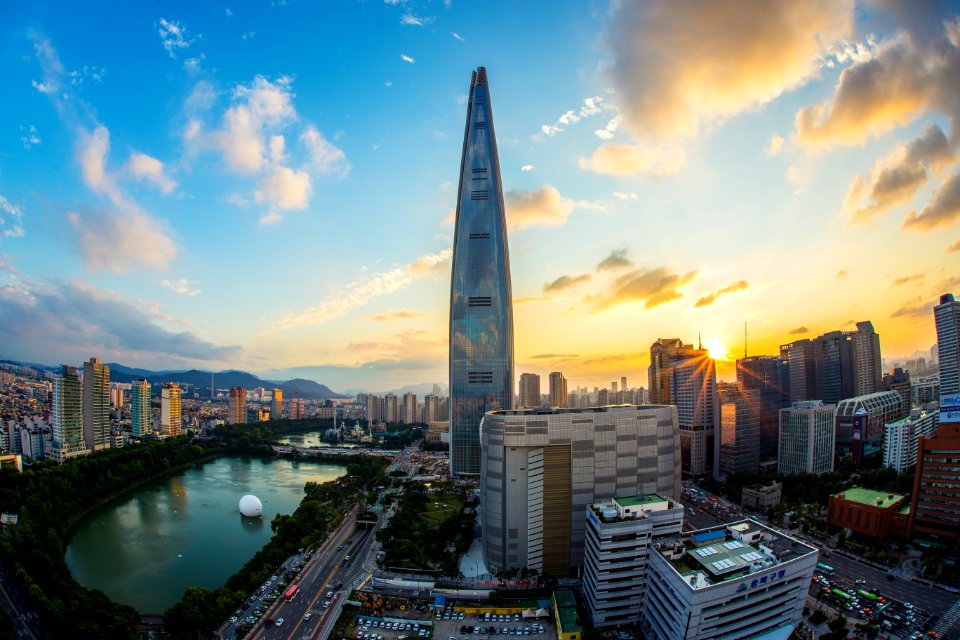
[700, 341]
[744, 340]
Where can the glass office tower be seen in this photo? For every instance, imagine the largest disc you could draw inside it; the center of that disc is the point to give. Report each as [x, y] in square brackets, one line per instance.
[481, 303]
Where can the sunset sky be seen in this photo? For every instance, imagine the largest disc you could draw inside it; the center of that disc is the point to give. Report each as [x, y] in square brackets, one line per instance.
[269, 186]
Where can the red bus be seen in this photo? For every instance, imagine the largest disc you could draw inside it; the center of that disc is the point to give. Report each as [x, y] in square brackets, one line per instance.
[291, 591]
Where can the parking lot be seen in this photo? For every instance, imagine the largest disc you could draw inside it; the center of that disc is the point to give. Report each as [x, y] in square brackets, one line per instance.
[489, 625]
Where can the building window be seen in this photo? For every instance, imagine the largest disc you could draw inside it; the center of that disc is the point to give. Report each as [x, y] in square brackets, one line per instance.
[479, 236]
[479, 301]
[480, 377]
[479, 194]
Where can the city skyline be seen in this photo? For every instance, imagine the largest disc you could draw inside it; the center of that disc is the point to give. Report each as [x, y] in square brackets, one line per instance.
[194, 202]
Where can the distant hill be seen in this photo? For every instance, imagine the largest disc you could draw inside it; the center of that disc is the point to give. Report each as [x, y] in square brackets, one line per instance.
[306, 389]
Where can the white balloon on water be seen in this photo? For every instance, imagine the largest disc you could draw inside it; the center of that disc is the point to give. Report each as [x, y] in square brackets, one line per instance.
[251, 506]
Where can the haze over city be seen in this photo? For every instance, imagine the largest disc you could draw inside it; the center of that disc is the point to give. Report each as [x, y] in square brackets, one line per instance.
[271, 188]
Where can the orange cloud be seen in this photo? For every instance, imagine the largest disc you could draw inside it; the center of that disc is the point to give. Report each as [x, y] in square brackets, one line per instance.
[653, 286]
[943, 209]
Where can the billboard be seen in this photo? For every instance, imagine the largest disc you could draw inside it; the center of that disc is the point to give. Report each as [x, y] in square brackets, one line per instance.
[950, 408]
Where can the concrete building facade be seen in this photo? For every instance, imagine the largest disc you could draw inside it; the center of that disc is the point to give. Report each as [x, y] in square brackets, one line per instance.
[96, 405]
[540, 469]
[807, 436]
[170, 421]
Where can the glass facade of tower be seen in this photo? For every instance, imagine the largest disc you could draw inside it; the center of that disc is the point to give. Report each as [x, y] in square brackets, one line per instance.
[481, 303]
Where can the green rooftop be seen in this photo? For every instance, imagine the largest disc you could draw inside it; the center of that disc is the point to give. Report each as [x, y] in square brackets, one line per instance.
[873, 498]
[634, 501]
[567, 612]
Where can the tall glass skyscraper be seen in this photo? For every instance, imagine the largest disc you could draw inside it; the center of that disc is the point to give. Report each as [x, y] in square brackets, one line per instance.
[481, 301]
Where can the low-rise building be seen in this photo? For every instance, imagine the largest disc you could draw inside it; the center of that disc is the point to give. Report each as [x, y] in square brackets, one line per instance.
[761, 498]
[616, 545]
[875, 514]
[438, 431]
[565, 615]
[741, 580]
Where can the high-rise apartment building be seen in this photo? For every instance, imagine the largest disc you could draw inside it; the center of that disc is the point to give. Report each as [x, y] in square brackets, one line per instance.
[623, 383]
[116, 396]
[768, 376]
[807, 436]
[529, 391]
[409, 407]
[739, 431]
[899, 381]
[431, 408]
[276, 404]
[170, 423]
[237, 406]
[391, 408]
[68, 440]
[901, 436]
[481, 301]
[297, 409]
[96, 404]
[542, 468]
[374, 410]
[686, 377]
[140, 416]
[947, 319]
[558, 390]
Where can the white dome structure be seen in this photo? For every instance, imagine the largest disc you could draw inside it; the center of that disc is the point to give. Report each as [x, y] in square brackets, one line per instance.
[251, 507]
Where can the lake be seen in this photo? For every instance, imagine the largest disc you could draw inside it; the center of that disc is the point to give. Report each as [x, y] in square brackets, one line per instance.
[185, 529]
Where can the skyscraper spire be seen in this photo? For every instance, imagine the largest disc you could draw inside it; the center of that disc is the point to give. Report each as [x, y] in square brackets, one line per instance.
[481, 301]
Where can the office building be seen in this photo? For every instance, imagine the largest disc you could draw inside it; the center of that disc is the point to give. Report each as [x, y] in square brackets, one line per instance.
[874, 514]
[807, 437]
[900, 437]
[687, 377]
[947, 319]
[619, 534]
[900, 382]
[865, 359]
[170, 424]
[761, 497]
[558, 390]
[768, 376]
[481, 301]
[739, 431]
[935, 506]
[409, 407]
[623, 383]
[68, 436]
[541, 468]
[237, 406]
[276, 404]
[742, 580]
[834, 365]
[798, 357]
[140, 415]
[96, 405]
[529, 391]
[860, 422]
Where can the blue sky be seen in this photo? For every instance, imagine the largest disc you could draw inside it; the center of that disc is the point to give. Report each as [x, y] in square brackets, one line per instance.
[269, 186]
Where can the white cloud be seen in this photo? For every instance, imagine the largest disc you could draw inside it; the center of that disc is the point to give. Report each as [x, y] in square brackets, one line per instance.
[608, 131]
[628, 159]
[793, 174]
[92, 149]
[11, 219]
[119, 241]
[277, 147]
[325, 157]
[681, 66]
[182, 286]
[775, 146]
[527, 167]
[363, 291]
[173, 36]
[283, 189]
[144, 167]
[29, 136]
[590, 107]
[229, 12]
[263, 104]
[411, 20]
[544, 207]
[623, 197]
[407, 58]
[457, 36]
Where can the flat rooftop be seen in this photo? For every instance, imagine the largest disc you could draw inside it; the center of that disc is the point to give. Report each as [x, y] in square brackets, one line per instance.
[634, 501]
[730, 551]
[870, 497]
[542, 411]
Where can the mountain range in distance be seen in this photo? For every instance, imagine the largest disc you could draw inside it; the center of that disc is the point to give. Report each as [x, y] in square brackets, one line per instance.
[296, 387]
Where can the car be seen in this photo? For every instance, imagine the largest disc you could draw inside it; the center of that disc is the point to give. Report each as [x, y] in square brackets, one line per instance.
[346, 558]
[861, 581]
[233, 618]
[279, 622]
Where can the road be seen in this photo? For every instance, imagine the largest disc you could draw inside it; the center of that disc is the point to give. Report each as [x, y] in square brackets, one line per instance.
[12, 600]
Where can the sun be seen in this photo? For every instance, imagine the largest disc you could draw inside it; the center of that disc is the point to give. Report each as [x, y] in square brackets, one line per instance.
[717, 350]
